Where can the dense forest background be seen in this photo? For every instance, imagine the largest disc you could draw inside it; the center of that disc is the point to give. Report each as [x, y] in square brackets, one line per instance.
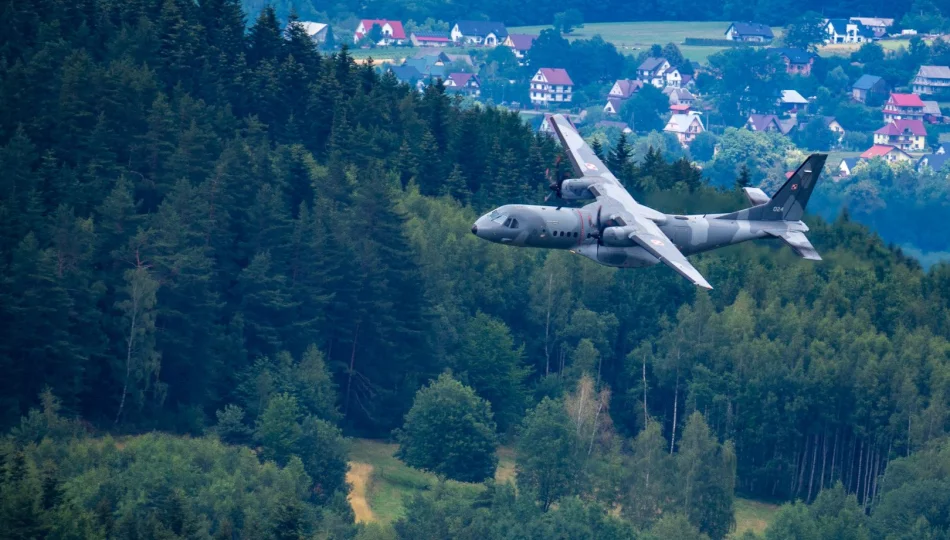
[217, 231]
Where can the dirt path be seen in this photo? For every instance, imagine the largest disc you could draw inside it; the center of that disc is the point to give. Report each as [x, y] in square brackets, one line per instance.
[358, 477]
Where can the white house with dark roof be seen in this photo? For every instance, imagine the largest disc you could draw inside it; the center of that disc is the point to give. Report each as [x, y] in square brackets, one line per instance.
[519, 44]
[621, 91]
[653, 71]
[932, 80]
[749, 32]
[845, 31]
[551, 85]
[485, 33]
[936, 161]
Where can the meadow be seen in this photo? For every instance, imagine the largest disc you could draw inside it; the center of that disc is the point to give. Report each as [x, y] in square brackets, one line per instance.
[381, 484]
[632, 37]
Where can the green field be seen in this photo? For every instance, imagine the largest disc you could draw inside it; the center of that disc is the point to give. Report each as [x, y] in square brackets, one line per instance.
[632, 37]
[753, 516]
[386, 483]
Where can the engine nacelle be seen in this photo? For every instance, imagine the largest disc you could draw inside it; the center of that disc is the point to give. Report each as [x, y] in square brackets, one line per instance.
[617, 237]
[576, 189]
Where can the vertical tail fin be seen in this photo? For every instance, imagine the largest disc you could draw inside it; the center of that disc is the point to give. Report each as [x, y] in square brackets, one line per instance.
[788, 203]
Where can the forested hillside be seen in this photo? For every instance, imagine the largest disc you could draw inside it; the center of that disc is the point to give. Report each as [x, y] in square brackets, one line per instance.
[225, 234]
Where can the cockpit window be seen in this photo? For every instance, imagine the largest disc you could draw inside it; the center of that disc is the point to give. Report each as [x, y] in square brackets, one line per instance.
[497, 216]
[514, 223]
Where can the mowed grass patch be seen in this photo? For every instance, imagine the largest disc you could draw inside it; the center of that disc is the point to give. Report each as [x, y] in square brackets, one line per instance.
[392, 483]
[753, 516]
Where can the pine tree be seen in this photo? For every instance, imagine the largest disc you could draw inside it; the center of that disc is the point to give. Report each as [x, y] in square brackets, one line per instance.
[744, 180]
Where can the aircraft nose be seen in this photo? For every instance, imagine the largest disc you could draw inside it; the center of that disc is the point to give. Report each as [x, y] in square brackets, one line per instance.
[475, 229]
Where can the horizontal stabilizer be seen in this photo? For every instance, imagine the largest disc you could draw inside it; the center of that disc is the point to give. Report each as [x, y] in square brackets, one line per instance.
[755, 195]
[798, 242]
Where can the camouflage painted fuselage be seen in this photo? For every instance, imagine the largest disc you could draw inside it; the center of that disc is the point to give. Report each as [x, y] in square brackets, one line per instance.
[570, 229]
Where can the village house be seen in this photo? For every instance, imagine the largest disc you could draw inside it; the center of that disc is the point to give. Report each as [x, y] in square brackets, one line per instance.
[620, 92]
[679, 96]
[886, 152]
[869, 87]
[610, 124]
[833, 126]
[485, 33]
[879, 26]
[551, 85]
[429, 66]
[392, 31]
[430, 39]
[466, 84]
[749, 32]
[764, 123]
[797, 61]
[908, 135]
[685, 127]
[932, 80]
[792, 101]
[680, 108]
[409, 75]
[845, 31]
[847, 165]
[653, 71]
[932, 112]
[936, 161]
[519, 44]
[317, 31]
[903, 107]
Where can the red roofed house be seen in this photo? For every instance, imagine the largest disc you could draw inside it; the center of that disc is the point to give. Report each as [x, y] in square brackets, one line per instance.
[519, 43]
[463, 83]
[904, 107]
[551, 85]
[430, 39]
[908, 135]
[621, 91]
[886, 152]
[393, 32]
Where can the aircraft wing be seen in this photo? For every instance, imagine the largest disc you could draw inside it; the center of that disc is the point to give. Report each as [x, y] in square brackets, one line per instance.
[662, 248]
[617, 201]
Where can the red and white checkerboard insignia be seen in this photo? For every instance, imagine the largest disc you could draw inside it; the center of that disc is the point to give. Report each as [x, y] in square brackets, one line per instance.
[794, 187]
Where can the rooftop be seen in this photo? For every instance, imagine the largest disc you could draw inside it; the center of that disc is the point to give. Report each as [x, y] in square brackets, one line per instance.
[679, 123]
[866, 82]
[482, 28]
[906, 100]
[880, 150]
[934, 72]
[522, 42]
[900, 127]
[398, 32]
[752, 29]
[556, 76]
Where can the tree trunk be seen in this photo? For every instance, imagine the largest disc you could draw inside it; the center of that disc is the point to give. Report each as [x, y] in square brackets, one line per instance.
[646, 416]
[349, 377]
[814, 459]
[857, 480]
[867, 478]
[834, 456]
[547, 330]
[676, 396]
[824, 456]
[130, 345]
[801, 467]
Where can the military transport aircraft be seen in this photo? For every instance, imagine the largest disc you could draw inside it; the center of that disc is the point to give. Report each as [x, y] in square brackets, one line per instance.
[615, 230]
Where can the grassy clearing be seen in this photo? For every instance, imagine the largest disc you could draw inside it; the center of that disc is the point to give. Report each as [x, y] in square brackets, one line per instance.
[387, 483]
[753, 516]
[382, 484]
[632, 37]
